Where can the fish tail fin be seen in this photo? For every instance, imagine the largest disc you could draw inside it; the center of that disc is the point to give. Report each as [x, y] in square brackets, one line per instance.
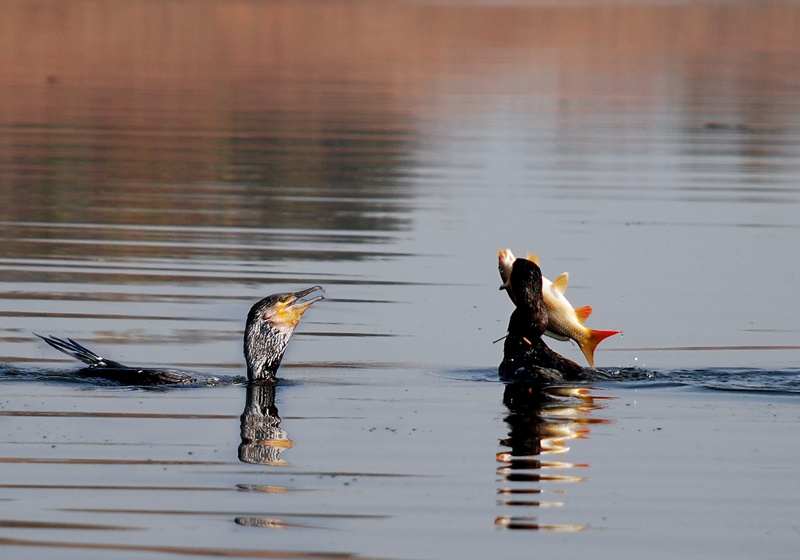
[590, 343]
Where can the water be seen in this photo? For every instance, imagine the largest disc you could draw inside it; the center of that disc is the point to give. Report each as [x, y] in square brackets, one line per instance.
[165, 165]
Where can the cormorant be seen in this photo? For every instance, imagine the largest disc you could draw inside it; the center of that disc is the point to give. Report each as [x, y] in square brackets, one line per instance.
[525, 356]
[270, 324]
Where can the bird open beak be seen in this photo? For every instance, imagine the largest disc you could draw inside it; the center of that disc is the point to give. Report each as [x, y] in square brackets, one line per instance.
[296, 304]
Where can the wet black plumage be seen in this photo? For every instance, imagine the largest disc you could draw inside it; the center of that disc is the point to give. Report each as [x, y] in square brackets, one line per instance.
[97, 366]
[270, 324]
[525, 355]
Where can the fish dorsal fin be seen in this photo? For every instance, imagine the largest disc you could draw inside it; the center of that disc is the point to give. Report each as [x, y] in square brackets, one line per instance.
[560, 283]
[534, 258]
[582, 313]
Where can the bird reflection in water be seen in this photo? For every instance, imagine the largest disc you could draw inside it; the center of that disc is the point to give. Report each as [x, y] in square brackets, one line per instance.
[263, 440]
[541, 421]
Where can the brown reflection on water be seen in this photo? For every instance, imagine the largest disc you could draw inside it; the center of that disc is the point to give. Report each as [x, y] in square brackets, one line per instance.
[541, 422]
[248, 114]
[203, 127]
[11, 524]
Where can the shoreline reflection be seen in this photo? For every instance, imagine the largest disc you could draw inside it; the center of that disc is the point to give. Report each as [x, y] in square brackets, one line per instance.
[541, 421]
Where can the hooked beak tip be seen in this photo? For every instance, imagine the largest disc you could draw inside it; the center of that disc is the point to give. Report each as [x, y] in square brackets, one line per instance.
[304, 303]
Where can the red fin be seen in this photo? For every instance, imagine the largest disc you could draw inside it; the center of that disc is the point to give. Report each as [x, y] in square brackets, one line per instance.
[582, 313]
[591, 341]
[534, 258]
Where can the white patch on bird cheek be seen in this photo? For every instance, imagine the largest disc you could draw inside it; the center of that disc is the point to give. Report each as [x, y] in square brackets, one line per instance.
[267, 313]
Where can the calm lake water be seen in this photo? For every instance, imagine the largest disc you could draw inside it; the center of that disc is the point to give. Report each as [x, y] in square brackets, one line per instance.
[164, 165]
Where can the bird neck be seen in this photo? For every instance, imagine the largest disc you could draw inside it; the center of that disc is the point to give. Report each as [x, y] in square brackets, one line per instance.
[264, 345]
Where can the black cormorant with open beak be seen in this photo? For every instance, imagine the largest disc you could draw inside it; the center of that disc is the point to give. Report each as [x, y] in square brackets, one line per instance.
[269, 326]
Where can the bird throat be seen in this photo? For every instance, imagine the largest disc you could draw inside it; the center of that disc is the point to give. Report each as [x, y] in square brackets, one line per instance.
[264, 348]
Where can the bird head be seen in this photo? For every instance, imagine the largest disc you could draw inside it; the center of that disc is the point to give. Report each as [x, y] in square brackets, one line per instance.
[285, 310]
[270, 323]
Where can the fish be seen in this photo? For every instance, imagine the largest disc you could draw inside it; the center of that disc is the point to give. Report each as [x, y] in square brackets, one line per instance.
[506, 263]
[563, 321]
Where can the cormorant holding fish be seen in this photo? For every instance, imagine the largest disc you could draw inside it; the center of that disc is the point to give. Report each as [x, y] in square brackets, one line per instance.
[270, 324]
[525, 356]
[564, 322]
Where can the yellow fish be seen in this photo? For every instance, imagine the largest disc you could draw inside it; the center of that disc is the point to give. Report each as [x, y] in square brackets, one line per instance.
[564, 322]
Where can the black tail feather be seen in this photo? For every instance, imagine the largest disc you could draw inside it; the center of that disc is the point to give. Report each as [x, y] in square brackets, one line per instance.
[115, 371]
[72, 348]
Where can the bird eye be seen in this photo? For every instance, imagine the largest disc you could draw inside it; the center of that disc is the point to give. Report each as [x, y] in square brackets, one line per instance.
[282, 300]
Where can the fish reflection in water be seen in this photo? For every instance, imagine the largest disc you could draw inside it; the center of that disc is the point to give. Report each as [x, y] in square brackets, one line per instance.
[541, 421]
[263, 440]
